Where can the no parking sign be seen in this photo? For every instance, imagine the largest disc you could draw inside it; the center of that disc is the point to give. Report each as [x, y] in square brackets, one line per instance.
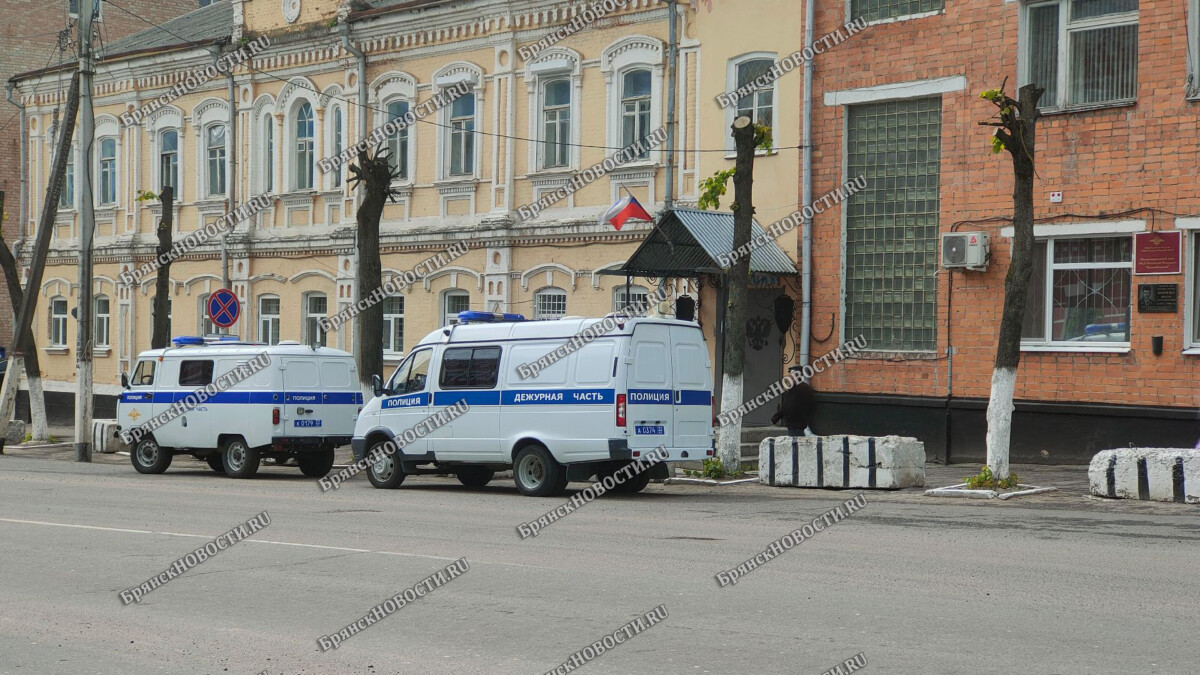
[224, 308]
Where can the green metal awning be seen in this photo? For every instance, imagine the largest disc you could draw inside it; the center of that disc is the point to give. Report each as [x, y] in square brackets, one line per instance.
[687, 242]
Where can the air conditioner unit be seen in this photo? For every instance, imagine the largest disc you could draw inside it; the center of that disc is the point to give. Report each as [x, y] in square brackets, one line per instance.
[969, 250]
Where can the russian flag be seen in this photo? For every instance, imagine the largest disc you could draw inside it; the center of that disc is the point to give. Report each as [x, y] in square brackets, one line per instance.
[627, 207]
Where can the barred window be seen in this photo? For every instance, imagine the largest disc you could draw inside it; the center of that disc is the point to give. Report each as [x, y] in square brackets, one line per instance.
[550, 303]
[1099, 62]
[876, 10]
[892, 225]
[1080, 291]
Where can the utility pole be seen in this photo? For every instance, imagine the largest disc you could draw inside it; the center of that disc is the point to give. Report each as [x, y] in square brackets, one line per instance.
[87, 231]
[672, 73]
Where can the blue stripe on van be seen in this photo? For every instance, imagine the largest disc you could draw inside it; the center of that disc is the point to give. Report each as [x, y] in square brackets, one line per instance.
[328, 397]
[405, 401]
[695, 397]
[557, 396]
[484, 397]
[236, 396]
[651, 396]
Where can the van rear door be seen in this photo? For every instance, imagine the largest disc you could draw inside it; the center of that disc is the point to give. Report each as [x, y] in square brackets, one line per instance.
[304, 414]
[693, 388]
[650, 395]
[340, 396]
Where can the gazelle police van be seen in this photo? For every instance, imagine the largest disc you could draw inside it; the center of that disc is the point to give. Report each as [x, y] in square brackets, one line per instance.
[302, 404]
[646, 383]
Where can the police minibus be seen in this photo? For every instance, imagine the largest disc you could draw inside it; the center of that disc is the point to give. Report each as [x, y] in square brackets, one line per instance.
[301, 405]
[645, 383]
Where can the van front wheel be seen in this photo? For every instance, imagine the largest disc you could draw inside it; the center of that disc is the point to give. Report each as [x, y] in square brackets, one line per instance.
[537, 473]
[239, 459]
[148, 457]
[387, 473]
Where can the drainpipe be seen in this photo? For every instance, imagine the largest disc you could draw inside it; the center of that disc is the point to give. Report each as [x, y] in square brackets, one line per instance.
[672, 67]
[24, 169]
[806, 197]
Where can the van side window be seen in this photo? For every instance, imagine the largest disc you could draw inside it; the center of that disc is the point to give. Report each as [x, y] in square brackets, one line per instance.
[470, 368]
[418, 373]
[195, 373]
[143, 376]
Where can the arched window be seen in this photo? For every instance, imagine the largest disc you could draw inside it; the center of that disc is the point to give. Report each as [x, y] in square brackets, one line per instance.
[462, 136]
[268, 319]
[168, 161]
[268, 123]
[304, 147]
[453, 302]
[337, 143]
[758, 105]
[550, 303]
[622, 299]
[398, 142]
[214, 144]
[66, 198]
[316, 307]
[108, 171]
[393, 324]
[58, 322]
[101, 321]
[635, 108]
[556, 123]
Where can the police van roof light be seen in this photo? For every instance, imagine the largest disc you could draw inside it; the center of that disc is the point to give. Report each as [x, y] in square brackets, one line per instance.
[492, 317]
[182, 340]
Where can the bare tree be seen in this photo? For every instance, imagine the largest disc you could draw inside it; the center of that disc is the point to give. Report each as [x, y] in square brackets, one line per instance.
[1016, 125]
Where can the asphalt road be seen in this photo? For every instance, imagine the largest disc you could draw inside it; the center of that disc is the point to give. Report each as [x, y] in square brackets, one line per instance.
[920, 585]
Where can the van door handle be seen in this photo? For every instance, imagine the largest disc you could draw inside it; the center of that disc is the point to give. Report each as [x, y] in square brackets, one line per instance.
[149, 397]
[678, 396]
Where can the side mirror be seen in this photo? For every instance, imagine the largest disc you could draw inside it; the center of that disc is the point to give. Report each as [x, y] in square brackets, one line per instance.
[377, 384]
[124, 381]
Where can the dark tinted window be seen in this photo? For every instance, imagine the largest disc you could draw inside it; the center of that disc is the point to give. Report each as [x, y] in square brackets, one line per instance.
[195, 373]
[470, 368]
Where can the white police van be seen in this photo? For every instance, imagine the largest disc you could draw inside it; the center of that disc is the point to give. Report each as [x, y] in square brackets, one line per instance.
[645, 383]
[301, 405]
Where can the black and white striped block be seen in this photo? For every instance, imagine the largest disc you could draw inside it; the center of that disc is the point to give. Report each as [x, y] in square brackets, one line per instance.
[1156, 474]
[104, 436]
[873, 462]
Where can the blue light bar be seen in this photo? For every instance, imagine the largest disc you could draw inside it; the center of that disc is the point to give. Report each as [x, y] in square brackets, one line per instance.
[1099, 328]
[187, 340]
[490, 317]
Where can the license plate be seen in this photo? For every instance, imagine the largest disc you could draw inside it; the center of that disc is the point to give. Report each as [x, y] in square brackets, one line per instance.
[306, 423]
[654, 430]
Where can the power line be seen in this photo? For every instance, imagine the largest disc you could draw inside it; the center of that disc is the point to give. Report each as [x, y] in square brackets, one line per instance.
[426, 121]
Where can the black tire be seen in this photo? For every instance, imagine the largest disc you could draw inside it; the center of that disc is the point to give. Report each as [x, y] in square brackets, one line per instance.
[475, 476]
[632, 485]
[240, 460]
[215, 463]
[315, 464]
[387, 473]
[148, 457]
[537, 473]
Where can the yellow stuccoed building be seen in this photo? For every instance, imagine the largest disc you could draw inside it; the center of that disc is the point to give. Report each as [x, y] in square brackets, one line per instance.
[543, 103]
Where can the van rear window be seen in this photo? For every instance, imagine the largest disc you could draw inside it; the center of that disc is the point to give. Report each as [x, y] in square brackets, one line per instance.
[470, 368]
[195, 373]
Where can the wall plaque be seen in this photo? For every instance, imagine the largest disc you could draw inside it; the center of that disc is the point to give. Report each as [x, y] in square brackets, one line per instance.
[1158, 298]
[1157, 252]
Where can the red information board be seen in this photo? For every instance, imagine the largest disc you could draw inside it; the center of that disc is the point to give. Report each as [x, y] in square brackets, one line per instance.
[1157, 252]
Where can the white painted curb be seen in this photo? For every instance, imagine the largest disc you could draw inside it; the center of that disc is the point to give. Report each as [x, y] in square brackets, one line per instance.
[1154, 474]
[871, 462]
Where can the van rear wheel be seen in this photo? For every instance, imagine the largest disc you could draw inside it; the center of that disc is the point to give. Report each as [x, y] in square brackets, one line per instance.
[537, 473]
[315, 464]
[387, 473]
[148, 457]
[474, 476]
[240, 460]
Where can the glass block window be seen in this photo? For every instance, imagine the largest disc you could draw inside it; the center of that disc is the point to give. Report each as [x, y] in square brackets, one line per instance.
[1099, 62]
[875, 10]
[892, 225]
[1080, 291]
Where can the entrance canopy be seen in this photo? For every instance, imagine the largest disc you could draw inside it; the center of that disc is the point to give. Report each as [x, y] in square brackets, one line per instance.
[688, 242]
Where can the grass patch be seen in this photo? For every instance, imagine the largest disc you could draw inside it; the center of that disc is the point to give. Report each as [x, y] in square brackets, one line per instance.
[986, 480]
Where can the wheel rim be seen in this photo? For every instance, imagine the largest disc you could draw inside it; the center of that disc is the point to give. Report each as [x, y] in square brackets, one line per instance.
[532, 471]
[383, 469]
[147, 453]
[236, 455]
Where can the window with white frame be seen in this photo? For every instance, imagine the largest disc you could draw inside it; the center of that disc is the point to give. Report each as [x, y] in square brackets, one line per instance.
[268, 319]
[1194, 48]
[168, 161]
[635, 107]
[268, 123]
[108, 171]
[204, 324]
[66, 197]
[305, 137]
[214, 144]
[397, 143]
[758, 105]
[1080, 292]
[393, 324]
[338, 142]
[102, 321]
[316, 307]
[550, 303]
[1084, 52]
[878, 10]
[58, 322]
[623, 298]
[462, 136]
[454, 302]
[556, 123]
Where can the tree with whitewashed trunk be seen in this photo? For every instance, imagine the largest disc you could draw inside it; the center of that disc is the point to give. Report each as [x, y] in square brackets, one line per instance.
[1015, 125]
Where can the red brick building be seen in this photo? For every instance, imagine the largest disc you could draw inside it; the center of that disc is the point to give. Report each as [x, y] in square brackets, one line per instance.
[899, 103]
[29, 41]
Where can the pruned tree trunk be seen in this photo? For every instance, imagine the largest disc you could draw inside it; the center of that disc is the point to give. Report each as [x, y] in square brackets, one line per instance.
[375, 173]
[160, 338]
[1018, 134]
[28, 356]
[729, 441]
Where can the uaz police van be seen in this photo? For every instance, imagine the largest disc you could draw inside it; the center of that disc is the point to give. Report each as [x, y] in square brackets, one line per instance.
[646, 383]
[302, 404]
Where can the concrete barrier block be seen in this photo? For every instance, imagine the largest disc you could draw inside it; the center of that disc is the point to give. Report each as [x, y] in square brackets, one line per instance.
[872, 462]
[1152, 474]
[104, 436]
[15, 432]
